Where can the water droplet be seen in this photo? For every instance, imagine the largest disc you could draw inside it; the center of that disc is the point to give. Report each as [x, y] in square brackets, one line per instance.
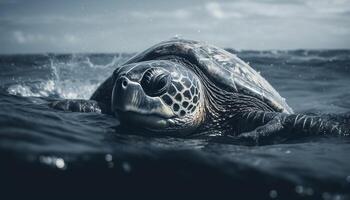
[126, 166]
[53, 161]
[273, 194]
[109, 157]
[299, 189]
[177, 36]
[45, 159]
[60, 163]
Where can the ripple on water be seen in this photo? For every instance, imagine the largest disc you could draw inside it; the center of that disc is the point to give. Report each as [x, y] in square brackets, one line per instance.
[28, 126]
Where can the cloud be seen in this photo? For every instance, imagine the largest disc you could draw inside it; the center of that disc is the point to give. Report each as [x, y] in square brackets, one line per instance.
[174, 14]
[19, 37]
[23, 38]
[39, 19]
[254, 24]
[330, 7]
[72, 39]
[215, 10]
[278, 9]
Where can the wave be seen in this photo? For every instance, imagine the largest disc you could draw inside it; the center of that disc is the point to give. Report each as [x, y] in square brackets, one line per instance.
[64, 76]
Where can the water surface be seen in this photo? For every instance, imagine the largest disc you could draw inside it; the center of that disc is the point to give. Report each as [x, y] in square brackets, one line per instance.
[43, 149]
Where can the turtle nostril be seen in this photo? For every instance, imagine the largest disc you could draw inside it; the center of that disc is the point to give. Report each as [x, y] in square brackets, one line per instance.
[124, 83]
[155, 81]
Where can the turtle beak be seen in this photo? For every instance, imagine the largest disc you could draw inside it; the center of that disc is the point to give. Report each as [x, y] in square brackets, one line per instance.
[129, 97]
[120, 94]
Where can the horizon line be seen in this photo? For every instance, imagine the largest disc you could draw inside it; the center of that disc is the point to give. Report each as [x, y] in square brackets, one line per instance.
[135, 52]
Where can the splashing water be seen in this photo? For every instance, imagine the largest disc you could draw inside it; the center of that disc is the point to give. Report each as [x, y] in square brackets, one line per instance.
[42, 89]
[71, 76]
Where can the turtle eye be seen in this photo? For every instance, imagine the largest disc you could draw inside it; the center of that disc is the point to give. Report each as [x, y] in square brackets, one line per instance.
[155, 81]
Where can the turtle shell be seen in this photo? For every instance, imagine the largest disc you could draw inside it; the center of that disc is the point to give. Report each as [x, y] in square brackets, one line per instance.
[223, 68]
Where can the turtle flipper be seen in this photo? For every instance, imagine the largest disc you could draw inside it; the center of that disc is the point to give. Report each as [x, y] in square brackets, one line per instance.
[294, 125]
[76, 105]
[270, 129]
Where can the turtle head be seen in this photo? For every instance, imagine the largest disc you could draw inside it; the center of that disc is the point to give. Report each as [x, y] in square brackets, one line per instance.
[161, 96]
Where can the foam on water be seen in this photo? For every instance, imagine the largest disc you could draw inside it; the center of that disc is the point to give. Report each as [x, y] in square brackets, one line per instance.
[43, 89]
[74, 78]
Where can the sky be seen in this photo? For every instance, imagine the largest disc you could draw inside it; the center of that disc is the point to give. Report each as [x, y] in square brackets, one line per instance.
[70, 26]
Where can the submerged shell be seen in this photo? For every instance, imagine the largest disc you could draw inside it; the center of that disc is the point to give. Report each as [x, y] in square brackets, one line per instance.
[224, 68]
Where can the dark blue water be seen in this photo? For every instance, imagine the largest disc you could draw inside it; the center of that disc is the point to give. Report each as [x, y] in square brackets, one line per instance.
[42, 149]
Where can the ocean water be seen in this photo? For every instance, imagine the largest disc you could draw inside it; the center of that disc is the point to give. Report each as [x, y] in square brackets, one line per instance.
[46, 150]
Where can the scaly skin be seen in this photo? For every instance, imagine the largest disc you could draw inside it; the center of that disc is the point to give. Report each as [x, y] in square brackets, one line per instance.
[272, 124]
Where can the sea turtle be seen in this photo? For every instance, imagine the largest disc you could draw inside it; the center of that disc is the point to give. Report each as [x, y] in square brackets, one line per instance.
[180, 87]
